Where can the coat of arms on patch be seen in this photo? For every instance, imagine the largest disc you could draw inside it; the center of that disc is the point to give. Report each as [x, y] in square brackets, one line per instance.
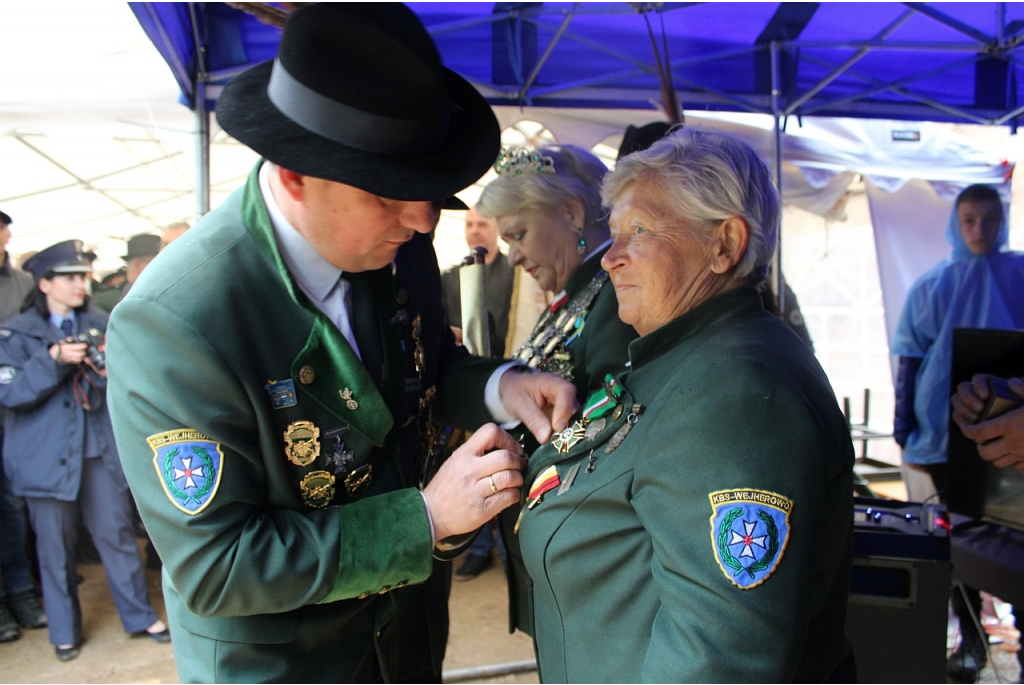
[749, 533]
[189, 465]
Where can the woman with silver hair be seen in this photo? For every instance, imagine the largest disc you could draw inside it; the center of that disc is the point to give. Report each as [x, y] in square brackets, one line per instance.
[693, 524]
[547, 205]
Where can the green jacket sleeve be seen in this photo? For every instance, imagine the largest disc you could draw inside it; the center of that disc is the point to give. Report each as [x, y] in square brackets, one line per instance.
[743, 432]
[251, 549]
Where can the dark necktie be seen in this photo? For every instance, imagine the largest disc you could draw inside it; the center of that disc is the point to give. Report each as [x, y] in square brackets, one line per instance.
[68, 327]
[365, 325]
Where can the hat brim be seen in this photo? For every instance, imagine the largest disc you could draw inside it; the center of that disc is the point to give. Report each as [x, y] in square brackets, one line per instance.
[454, 204]
[245, 111]
[74, 268]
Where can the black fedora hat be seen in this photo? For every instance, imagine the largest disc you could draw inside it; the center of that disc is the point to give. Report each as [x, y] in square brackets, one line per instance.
[358, 95]
[142, 245]
[637, 139]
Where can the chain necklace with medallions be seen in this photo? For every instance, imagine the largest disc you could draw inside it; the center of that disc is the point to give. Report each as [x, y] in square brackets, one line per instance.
[545, 349]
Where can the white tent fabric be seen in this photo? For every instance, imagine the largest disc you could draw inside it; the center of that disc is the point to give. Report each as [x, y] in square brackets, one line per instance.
[910, 226]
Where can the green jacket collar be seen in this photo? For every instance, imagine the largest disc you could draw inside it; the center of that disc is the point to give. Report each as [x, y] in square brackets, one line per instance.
[720, 309]
[335, 367]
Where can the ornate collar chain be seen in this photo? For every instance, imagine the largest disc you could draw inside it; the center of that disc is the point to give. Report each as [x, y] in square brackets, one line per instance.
[545, 349]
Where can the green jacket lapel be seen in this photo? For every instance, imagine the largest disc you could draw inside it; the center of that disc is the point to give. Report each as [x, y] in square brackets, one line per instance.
[339, 383]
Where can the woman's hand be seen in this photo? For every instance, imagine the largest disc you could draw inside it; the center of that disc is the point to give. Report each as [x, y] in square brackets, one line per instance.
[68, 352]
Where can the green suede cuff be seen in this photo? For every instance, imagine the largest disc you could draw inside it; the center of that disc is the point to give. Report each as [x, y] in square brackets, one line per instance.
[385, 544]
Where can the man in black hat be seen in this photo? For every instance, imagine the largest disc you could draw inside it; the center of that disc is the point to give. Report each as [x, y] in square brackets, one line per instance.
[142, 249]
[273, 379]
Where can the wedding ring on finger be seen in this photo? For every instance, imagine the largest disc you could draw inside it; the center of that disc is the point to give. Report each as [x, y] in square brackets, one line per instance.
[494, 488]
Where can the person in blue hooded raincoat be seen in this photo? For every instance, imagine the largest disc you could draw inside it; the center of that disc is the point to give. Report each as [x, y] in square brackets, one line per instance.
[978, 286]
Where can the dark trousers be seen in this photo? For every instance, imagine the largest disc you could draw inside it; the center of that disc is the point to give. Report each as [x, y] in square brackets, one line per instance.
[107, 514]
[15, 566]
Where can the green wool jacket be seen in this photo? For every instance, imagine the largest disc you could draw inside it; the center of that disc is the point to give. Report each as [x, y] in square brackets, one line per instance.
[599, 349]
[644, 563]
[231, 395]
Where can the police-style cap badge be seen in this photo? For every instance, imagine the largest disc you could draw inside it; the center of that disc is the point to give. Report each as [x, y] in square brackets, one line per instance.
[749, 533]
[189, 465]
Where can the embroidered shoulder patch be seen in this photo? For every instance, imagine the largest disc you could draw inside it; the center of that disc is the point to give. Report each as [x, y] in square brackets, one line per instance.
[749, 533]
[189, 465]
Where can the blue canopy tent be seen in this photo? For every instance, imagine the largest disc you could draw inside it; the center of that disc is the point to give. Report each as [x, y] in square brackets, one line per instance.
[917, 61]
[958, 61]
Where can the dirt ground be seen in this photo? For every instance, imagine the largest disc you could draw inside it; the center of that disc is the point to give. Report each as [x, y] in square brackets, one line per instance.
[478, 637]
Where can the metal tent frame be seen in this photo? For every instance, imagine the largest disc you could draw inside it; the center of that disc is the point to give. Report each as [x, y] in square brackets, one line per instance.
[912, 60]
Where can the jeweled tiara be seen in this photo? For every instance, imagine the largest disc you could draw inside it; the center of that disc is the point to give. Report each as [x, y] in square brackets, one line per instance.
[521, 160]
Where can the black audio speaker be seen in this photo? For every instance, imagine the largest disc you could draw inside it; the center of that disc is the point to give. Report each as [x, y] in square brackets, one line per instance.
[896, 615]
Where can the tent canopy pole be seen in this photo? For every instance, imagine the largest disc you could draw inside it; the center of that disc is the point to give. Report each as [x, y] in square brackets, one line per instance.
[776, 280]
[202, 130]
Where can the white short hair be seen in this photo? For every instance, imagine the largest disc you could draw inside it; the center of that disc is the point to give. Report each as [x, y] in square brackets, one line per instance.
[708, 177]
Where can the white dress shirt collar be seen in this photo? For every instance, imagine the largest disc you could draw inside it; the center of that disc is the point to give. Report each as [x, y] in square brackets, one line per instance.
[315, 275]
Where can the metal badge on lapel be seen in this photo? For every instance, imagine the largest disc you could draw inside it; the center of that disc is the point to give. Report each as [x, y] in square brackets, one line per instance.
[568, 437]
[545, 482]
[307, 375]
[301, 443]
[282, 393]
[569, 479]
[620, 435]
[350, 402]
[317, 488]
[189, 465]
[749, 533]
[418, 354]
[339, 457]
[358, 482]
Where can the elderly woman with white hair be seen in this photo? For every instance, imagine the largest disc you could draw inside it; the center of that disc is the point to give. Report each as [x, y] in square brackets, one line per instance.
[694, 523]
[547, 205]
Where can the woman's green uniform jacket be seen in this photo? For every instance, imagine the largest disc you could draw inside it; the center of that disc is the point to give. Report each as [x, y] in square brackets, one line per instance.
[599, 349]
[233, 400]
[714, 544]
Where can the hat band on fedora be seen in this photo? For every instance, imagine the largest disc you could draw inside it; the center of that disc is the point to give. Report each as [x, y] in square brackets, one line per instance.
[350, 126]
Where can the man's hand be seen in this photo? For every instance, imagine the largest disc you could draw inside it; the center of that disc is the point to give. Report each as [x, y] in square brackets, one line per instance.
[480, 479]
[1000, 440]
[68, 352]
[544, 402]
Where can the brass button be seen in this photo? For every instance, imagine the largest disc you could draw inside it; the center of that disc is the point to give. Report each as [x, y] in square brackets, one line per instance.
[306, 374]
[402, 296]
[402, 583]
[364, 595]
[384, 589]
